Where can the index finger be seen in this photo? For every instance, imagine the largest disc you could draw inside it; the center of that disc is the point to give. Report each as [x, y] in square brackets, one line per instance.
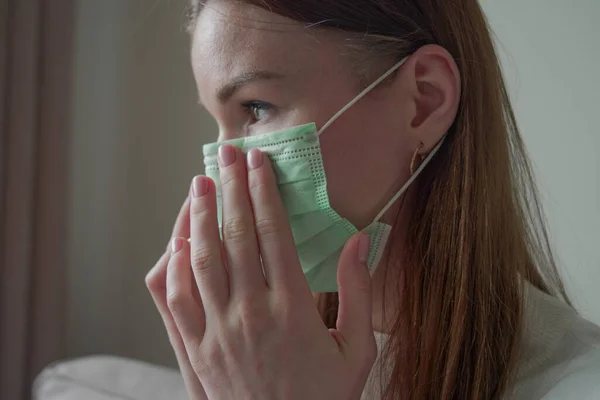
[278, 251]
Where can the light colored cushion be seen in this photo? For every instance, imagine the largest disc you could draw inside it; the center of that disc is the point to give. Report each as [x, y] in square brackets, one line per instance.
[108, 378]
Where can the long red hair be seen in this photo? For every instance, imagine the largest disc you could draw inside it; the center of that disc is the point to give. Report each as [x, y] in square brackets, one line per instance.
[477, 231]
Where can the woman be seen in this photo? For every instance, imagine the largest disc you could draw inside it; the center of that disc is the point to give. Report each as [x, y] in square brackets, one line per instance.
[413, 129]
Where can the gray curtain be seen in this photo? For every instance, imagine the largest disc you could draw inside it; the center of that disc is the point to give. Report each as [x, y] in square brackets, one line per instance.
[35, 44]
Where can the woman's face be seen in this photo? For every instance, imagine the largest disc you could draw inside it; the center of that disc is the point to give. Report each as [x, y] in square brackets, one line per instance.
[258, 72]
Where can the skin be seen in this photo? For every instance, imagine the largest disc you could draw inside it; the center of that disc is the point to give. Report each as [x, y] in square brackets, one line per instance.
[236, 332]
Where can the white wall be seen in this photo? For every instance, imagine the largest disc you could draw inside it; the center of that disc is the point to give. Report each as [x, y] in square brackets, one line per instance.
[551, 57]
[138, 137]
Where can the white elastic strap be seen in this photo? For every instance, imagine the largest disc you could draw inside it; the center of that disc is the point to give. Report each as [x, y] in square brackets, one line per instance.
[410, 180]
[361, 95]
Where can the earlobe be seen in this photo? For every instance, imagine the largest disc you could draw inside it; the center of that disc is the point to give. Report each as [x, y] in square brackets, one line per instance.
[436, 94]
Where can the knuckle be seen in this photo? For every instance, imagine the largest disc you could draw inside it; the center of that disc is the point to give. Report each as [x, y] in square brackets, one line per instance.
[175, 302]
[207, 358]
[251, 317]
[200, 365]
[285, 310]
[236, 229]
[229, 178]
[156, 278]
[256, 186]
[203, 258]
[267, 226]
[287, 318]
[198, 208]
[154, 286]
[150, 281]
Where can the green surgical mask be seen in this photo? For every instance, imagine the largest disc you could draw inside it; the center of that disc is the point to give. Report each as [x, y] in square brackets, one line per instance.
[320, 233]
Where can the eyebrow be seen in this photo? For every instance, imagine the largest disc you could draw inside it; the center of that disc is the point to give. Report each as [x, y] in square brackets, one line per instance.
[227, 91]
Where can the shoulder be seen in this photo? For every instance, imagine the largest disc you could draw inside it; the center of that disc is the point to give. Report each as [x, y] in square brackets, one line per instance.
[582, 380]
[571, 370]
[560, 354]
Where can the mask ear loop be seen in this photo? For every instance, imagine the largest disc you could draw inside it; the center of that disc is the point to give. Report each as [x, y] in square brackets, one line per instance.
[356, 100]
[410, 180]
[361, 95]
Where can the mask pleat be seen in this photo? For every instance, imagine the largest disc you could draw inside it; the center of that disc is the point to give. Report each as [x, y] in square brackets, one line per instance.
[319, 232]
[316, 250]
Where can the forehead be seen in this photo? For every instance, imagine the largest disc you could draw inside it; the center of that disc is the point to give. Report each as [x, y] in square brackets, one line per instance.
[231, 38]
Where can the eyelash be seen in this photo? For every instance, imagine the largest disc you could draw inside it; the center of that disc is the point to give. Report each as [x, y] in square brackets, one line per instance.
[251, 107]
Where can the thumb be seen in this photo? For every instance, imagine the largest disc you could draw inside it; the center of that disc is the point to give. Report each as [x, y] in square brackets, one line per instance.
[354, 282]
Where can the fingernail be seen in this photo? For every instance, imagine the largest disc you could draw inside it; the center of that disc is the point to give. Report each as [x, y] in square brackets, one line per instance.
[226, 155]
[255, 159]
[176, 244]
[363, 249]
[199, 186]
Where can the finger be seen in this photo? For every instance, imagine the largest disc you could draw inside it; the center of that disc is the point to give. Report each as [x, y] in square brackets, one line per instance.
[354, 284]
[156, 283]
[277, 248]
[187, 314]
[156, 277]
[182, 223]
[182, 229]
[239, 237]
[206, 252]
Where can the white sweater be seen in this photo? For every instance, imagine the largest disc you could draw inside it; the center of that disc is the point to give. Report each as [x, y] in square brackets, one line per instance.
[560, 355]
[561, 361]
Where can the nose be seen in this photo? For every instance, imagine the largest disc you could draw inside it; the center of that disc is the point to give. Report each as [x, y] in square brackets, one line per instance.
[228, 134]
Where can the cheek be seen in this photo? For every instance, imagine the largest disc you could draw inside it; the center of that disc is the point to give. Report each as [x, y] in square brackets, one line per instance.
[364, 162]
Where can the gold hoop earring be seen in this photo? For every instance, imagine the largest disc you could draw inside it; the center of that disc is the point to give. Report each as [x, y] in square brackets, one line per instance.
[414, 159]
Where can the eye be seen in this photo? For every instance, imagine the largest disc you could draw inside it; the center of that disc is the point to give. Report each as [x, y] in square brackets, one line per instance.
[258, 110]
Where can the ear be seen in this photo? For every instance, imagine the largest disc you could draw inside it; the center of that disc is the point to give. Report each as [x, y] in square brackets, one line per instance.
[434, 86]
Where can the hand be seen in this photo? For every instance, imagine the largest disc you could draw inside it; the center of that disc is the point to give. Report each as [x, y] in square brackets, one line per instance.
[156, 281]
[254, 330]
